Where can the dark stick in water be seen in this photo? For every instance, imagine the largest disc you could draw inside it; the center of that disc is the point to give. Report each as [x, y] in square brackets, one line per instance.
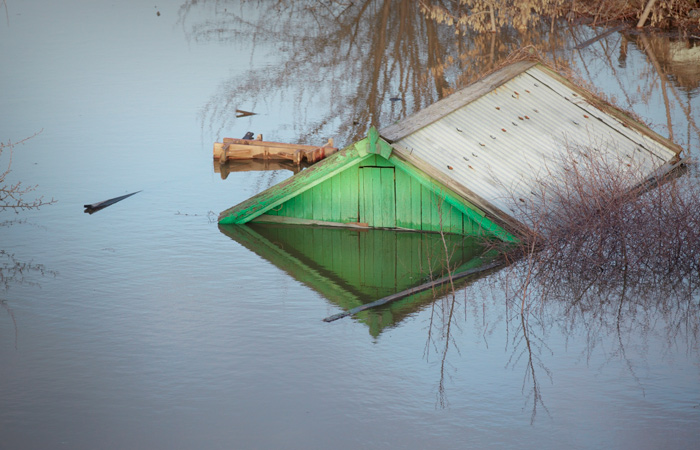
[92, 208]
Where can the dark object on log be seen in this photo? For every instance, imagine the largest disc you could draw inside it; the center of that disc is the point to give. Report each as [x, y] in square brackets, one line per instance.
[414, 290]
[248, 136]
[93, 208]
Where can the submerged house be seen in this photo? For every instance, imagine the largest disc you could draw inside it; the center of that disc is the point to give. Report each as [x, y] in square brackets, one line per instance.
[457, 165]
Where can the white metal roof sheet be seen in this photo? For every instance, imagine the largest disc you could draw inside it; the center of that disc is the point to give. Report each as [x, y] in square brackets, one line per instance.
[500, 145]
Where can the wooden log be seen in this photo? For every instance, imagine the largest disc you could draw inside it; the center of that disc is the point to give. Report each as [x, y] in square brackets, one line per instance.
[415, 290]
[237, 149]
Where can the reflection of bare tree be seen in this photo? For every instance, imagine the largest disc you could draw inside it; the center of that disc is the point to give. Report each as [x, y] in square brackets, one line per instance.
[528, 345]
[13, 198]
[345, 66]
[671, 67]
[14, 271]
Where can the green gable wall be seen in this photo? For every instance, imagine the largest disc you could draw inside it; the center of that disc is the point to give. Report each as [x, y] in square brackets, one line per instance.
[377, 193]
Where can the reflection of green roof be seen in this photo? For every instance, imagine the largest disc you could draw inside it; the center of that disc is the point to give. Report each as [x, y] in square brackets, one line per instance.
[351, 267]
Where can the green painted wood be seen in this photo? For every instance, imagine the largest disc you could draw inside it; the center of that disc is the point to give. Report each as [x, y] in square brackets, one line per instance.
[365, 197]
[336, 199]
[427, 206]
[403, 200]
[377, 197]
[388, 196]
[472, 212]
[349, 182]
[317, 202]
[416, 202]
[307, 204]
[291, 187]
[457, 220]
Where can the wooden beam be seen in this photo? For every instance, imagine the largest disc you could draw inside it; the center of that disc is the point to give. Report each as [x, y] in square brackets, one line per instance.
[237, 149]
[266, 218]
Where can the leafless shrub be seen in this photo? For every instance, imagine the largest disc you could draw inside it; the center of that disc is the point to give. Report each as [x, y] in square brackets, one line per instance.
[12, 195]
[599, 232]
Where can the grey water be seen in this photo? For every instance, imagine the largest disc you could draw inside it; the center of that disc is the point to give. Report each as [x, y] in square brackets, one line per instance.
[143, 326]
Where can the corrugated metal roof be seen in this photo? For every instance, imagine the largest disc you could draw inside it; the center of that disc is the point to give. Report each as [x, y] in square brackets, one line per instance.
[501, 144]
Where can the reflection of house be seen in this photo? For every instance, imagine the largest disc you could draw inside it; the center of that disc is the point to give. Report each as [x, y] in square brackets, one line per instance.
[678, 59]
[459, 164]
[351, 267]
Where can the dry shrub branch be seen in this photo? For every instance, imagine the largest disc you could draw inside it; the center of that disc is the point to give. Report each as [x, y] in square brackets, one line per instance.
[600, 232]
[12, 195]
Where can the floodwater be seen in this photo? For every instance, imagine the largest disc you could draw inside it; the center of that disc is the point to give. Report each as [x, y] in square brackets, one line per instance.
[145, 326]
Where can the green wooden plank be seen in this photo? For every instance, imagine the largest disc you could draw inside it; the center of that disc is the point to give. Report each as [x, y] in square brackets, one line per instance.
[435, 203]
[403, 200]
[283, 209]
[444, 215]
[317, 201]
[458, 202]
[381, 162]
[416, 203]
[376, 197]
[457, 220]
[294, 207]
[361, 204]
[293, 186]
[367, 196]
[369, 161]
[306, 199]
[327, 195]
[388, 194]
[336, 199]
[350, 194]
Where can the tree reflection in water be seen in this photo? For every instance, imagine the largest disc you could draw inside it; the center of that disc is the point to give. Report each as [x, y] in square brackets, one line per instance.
[612, 312]
[14, 271]
[346, 66]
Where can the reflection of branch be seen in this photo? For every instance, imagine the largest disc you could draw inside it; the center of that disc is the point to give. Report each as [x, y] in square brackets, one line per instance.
[12, 316]
[379, 60]
[524, 335]
[14, 271]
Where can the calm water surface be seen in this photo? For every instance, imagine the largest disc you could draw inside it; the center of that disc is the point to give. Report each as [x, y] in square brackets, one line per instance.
[144, 326]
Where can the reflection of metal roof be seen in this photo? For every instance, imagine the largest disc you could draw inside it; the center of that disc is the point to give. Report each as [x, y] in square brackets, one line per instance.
[497, 137]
